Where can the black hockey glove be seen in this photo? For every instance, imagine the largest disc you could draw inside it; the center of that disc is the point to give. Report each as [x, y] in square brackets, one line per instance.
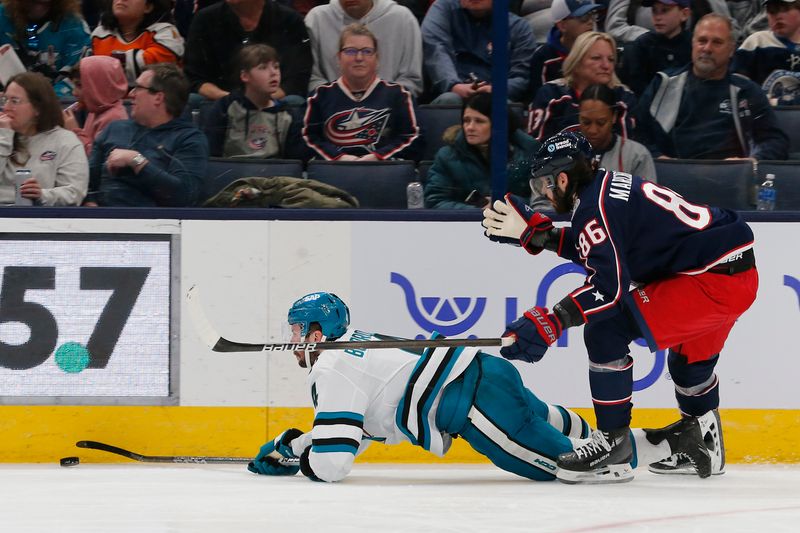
[267, 462]
[305, 466]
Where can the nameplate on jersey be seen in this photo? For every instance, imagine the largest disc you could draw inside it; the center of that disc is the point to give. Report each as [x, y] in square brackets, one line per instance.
[620, 187]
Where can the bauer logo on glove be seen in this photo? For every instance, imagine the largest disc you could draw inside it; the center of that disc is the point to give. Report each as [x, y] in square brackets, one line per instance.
[535, 332]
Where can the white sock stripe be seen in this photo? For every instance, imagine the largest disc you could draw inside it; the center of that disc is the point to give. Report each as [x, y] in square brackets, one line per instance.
[618, 365]
[496, 435]
[555, 418]
[577, 424]
[701, 389]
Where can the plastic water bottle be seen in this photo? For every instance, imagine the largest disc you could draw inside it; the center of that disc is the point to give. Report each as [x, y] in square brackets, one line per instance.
[415, 196]
[767, 194]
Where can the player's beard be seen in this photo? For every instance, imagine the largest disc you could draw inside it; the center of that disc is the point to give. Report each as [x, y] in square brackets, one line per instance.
[562, 202]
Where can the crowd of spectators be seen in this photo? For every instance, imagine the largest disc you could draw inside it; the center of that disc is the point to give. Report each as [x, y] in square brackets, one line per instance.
[341, 80]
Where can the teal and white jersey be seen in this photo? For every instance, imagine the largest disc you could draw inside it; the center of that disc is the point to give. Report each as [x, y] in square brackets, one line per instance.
[387, 395]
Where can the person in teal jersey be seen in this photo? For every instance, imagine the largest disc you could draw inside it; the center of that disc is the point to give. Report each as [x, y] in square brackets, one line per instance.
[48, 36]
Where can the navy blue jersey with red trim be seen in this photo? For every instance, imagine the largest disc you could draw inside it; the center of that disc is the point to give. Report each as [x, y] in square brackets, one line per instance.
[628, 230]
[382, 121]
[555, 108]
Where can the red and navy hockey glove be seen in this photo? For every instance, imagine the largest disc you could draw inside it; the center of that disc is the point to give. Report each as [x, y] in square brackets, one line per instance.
[514, 222]
[535, 332]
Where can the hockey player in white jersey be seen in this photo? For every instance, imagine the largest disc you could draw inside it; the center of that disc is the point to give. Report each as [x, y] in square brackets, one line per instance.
[428, 398]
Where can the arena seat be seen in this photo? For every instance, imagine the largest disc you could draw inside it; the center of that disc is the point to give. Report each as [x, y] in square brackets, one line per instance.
[222, 171]
[422, 170]
[787, 182]
[376, 184]
[713, 182]
[789, 121]
[433, 120]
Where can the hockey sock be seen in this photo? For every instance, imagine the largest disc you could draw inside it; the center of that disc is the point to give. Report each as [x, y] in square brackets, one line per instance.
[568, 422]
[696, 384]
[612, 388]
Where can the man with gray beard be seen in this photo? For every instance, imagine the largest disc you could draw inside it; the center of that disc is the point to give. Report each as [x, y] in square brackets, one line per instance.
[704, 111]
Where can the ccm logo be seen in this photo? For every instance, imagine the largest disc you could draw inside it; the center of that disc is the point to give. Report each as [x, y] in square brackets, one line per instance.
[290, 347]
[545, 464]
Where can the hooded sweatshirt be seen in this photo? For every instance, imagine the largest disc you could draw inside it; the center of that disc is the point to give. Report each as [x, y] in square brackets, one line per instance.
[103, 86]
[236, 128]
[399, 42]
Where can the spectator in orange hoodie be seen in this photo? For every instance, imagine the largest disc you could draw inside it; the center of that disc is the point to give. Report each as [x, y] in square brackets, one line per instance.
[100, 86]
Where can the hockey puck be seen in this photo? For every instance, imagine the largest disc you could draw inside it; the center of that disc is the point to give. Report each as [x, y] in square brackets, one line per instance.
[70, 461]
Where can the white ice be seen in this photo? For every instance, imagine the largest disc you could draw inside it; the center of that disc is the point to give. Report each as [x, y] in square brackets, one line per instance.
[147, 498]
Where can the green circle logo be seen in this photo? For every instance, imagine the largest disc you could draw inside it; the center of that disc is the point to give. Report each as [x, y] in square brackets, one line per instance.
[72, 357]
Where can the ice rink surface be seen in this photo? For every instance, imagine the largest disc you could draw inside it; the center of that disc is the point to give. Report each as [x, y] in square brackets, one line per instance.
[147, 498]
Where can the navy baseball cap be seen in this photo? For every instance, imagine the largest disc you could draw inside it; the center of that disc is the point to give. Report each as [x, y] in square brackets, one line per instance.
[679, 3]
[561, 9]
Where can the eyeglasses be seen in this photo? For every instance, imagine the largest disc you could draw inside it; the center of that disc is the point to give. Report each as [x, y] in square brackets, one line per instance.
[151, 90]
[13, 100]
[353, 52]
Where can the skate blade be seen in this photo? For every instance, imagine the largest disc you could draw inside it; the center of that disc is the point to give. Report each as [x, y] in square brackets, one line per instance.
[601, 476]
[688, 471]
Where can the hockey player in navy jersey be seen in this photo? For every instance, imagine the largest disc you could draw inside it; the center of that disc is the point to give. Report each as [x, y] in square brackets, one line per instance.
[694, 271]
[429, 398]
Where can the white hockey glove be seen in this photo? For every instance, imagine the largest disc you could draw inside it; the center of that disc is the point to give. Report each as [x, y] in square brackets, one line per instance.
[514, 222]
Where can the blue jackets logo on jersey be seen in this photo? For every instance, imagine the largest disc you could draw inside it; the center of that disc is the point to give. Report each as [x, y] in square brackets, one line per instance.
[357, 127]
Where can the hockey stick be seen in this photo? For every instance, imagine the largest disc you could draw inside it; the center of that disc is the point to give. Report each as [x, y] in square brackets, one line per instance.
[221, 344]
[224, 345]
[191, 459]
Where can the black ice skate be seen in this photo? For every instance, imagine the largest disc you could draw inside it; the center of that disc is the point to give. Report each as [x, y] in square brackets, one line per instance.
[682, 462]
[605, 458]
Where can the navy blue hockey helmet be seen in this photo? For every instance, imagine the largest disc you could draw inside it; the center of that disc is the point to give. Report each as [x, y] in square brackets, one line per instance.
[558, 154]
[325, 308]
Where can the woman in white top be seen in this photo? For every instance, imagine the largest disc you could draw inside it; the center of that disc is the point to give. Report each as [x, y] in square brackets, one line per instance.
[32, 137]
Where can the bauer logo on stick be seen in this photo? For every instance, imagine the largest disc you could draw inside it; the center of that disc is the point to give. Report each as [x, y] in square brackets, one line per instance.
[290, 347]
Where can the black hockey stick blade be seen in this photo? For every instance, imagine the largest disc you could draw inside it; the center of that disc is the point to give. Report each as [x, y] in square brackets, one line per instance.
[184, 459]
[224, 345]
